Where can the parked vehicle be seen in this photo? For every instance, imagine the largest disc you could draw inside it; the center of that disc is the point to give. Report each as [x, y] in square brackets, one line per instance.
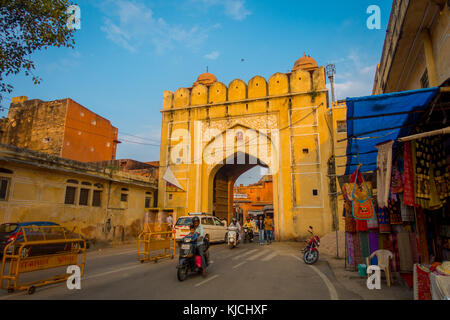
[10, 232]
[188, 260]
[232, 237]
[310, 252]
[248, 235]
[215, 230]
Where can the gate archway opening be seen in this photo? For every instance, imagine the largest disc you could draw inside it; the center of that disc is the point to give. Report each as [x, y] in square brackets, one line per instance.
[223, 180]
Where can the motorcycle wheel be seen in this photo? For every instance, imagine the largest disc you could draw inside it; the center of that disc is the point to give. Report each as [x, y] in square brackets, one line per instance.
[182, 273]
[311, 257]
[231, 245]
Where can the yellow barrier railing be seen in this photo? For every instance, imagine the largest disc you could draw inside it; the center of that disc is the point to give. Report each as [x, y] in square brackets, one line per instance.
[155, 242]
[57, 246]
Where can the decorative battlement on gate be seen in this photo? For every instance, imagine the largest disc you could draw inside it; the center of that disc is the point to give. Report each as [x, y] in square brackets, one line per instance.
[297, 82]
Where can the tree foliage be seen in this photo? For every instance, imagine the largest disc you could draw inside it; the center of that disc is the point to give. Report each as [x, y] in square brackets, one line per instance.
[27, 26]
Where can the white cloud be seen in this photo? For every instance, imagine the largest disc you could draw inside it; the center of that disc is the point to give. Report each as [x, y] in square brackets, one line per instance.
[354, 77]
[235, 9]
[213, 55]
[131, 24]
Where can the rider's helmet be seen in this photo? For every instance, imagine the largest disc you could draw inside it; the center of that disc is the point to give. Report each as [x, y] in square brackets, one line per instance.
[248, 218]
[195, 219]
[234, 220]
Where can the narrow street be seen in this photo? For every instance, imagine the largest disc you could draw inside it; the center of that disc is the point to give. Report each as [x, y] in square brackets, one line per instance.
[248, 272]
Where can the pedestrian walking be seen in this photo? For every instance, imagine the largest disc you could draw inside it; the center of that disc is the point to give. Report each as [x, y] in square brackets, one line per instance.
[260, 225]
[268, 225]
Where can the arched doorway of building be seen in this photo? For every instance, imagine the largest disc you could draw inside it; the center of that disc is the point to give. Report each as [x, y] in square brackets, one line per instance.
[227, 203]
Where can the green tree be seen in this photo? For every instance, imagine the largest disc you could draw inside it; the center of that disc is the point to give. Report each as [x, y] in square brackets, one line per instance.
[27, 26]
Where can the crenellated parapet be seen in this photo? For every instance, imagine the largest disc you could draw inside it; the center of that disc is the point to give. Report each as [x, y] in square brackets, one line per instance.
[296, 82]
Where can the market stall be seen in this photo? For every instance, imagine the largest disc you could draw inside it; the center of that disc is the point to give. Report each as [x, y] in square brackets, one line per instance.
[397, 186]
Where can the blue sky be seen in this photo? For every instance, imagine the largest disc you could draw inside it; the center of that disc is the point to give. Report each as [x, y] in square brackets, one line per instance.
[129, 51]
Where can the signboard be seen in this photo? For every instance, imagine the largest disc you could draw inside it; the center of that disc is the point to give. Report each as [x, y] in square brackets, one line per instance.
[240, 196]
[45, 262]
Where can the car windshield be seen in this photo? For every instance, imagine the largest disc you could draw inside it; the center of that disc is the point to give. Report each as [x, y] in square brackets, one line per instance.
[8, 227]
[184, 221]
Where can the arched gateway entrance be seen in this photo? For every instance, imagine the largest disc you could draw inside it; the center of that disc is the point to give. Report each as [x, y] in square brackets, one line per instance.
[212, 133]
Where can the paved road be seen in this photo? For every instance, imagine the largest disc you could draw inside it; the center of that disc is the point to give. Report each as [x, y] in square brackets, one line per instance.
[245, 273]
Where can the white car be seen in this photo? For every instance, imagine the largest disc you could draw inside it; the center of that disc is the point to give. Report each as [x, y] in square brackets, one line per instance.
[215, 230]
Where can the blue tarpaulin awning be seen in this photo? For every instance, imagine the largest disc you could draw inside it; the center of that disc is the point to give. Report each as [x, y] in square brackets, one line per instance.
[375, 119]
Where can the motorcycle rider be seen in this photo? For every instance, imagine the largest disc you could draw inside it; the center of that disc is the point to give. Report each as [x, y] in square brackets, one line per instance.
[250, 225]
[235, 223]
[200, 244]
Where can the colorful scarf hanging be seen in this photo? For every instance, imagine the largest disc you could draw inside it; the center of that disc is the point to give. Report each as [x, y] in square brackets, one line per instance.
[384, 223]
[372, 224]
[350, 224]
[408, 175]
[357, 250]
[350, 256]
[397, 176]
[373, 246]
[406, 211]
[422, 283]
[395, 215]
[365, 248]
[384, 165]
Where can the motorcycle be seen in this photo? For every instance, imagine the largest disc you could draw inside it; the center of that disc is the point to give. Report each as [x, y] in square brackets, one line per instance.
[232, 237]
[310, 252]
[248, 235]
[188, 260]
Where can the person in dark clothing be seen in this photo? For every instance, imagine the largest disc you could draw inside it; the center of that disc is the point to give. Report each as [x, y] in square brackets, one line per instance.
[260, 226]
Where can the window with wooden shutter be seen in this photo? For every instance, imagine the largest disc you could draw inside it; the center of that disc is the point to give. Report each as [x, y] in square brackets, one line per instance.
[84, 197]
[70, 195]
[97, 198]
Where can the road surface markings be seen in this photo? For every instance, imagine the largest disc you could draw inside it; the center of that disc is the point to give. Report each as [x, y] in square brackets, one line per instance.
[270, 256]
[330, 286]
[240, 264]
[113, 254]
[112, 271]
[244, 254]
[254, 257]
[205, 281]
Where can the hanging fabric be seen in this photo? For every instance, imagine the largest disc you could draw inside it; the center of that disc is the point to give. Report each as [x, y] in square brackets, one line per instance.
[350, 256]
[384, 166]
[408, 175]
[384, 224]
[406, 211]
[362, 205]
[395, 215]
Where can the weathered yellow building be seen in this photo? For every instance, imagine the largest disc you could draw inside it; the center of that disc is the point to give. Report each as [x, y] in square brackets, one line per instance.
[416, 52]
[212, 133]
[102, 201]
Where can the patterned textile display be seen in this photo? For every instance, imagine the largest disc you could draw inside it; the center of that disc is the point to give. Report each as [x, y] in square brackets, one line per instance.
[414, 247]
[397, 176]
[357, 250]
[384, 223]
[365, 248]
[373, 246]
[361, 225]
[350, 256]
[384, 165]
[350, 224]
[362, 205]
[422, 289]
[407, 212]
[408, 175]
[421, 235]
[405, 252]
[395, 215]
[372, 224]
[432, 177]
